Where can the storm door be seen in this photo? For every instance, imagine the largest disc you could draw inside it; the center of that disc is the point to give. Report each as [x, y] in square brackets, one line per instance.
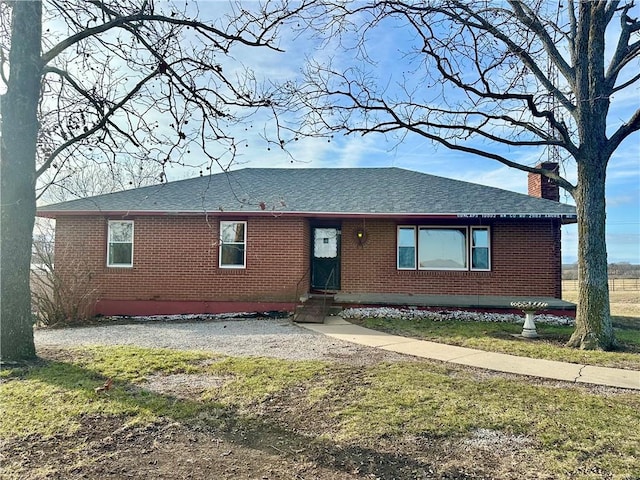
[325, 258]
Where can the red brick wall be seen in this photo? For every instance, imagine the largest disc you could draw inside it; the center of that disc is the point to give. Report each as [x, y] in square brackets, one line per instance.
[525, 260]
[542, 187]
[176, 260]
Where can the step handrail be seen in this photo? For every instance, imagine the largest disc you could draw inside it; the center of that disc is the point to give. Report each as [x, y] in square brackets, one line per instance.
[324, 292]
[304, 275]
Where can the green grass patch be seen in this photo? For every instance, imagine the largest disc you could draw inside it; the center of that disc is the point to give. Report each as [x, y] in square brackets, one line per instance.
[498, 337]
[254, 379]
[7, 373]
[134, 364]
[52, 397]
[571, 428]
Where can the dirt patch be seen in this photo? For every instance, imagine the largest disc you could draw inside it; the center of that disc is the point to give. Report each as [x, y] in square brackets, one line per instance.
[106, 448]
[183, 386]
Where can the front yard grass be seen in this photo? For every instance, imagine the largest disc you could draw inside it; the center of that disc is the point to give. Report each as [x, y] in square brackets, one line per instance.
[499, 337]
[51, 397]
[309, 410]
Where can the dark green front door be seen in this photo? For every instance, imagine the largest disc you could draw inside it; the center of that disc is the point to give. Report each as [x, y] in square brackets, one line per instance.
[325, 258]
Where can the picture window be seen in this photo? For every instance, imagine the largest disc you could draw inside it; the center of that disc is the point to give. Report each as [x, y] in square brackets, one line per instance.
[443, 248]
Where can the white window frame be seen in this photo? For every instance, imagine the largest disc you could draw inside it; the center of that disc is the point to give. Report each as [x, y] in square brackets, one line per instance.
[415, 247]
[109, 242]
[468, 233]
[444, 227]
[244, 242]
[471, 247]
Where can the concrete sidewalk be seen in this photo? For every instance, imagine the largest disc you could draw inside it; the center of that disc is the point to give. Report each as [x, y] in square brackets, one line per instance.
[339, 328]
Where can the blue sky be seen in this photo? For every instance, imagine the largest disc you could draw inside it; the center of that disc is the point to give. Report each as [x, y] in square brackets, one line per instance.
[412, 151]
[416, 153]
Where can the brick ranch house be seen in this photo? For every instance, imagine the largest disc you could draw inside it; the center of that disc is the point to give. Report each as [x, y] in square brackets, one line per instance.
[258, 239]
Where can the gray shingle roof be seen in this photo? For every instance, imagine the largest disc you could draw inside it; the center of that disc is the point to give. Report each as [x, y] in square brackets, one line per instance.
[379, 191]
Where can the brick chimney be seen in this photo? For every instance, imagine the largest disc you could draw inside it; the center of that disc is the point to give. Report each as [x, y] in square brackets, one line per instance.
[542, 187]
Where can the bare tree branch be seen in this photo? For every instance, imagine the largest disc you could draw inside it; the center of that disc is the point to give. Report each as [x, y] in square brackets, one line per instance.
[625, 51]
[513, 50]
[625, 130]
[100, 125]
[206, 30]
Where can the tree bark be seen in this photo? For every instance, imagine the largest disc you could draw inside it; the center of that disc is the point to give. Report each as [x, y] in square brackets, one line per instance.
[593, 319]
[17, 180]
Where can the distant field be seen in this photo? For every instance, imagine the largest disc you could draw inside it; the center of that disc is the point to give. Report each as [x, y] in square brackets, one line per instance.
[615, 285]
[625, 300]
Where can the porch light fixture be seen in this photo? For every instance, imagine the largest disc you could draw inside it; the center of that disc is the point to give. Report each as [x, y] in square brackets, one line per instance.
[361, 236]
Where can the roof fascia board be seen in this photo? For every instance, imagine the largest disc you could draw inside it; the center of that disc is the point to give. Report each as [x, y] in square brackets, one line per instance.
[277, 213]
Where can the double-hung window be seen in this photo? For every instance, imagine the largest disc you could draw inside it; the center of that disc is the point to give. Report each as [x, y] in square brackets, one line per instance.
[406, 248]
[120, 243]
[480, 252]
[233, 241]
[443, 248]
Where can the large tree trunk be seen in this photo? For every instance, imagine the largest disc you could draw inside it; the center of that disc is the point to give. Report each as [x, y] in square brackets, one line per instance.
[593, 319]
[17, 181]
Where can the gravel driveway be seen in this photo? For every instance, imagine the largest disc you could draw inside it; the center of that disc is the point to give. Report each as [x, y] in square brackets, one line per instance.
[279, 338]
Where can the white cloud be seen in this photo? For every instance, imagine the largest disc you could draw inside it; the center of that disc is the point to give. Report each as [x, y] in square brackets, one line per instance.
[500, 177]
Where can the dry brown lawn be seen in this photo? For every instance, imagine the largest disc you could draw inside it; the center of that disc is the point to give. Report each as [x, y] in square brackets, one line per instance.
[624, 303]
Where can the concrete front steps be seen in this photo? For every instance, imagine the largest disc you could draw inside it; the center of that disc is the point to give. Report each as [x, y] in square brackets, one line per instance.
[315, 308]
